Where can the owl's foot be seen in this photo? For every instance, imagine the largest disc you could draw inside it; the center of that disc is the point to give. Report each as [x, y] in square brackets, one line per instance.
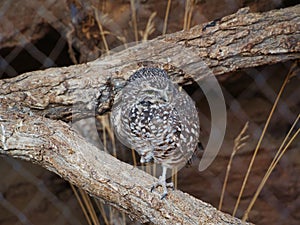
[165, 187]
[162, 182]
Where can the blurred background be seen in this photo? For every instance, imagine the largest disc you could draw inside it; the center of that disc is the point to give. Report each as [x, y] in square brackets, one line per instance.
[37, 34]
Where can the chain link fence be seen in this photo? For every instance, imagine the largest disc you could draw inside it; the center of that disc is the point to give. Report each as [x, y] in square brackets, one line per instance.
[40, 34]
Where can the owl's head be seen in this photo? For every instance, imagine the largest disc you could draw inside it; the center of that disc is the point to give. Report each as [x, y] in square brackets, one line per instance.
[148, 73]
[154, 85]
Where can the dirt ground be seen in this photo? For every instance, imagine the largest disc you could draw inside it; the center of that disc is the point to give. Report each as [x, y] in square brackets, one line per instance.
[30, 194]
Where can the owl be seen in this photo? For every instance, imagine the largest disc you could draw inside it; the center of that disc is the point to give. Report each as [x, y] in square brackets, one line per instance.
[158, 120]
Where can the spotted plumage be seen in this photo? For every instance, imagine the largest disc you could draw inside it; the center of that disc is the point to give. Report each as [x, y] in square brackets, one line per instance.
[152, 116]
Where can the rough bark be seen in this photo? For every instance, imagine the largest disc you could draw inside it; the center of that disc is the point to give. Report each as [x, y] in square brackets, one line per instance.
[237, 41]
[57, 147]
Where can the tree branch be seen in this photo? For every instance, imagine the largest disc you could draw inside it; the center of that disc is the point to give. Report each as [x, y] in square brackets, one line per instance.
[57, 147]
[237, 41]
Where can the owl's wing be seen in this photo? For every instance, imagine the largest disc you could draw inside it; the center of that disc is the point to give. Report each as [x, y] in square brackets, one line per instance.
[188, 115]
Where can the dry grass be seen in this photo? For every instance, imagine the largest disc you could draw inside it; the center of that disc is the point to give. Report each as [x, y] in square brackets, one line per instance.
[98, 19]
[260, 140]
[134, 22]
[150, 28]
[166, 17]
[188, 13]
[282, 149]
[239, 142]
[86, 206]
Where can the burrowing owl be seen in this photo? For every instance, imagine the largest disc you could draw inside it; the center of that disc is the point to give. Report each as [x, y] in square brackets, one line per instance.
[152, 116]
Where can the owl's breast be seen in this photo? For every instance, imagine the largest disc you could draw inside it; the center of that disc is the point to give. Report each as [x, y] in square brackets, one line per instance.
[156, 125]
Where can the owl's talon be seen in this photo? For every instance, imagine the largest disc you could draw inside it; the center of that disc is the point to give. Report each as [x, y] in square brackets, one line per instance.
[162, 182]
[163, 196]
[152, 188]
[170, 185]
[165, 187]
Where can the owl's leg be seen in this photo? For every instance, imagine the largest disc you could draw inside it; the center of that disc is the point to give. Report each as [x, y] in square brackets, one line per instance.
[162, 182]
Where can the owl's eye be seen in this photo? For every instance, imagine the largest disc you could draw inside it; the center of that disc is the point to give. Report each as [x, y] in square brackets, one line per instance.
[150, 92]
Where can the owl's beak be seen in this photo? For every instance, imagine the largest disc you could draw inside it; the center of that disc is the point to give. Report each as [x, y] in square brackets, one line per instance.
[164, 96]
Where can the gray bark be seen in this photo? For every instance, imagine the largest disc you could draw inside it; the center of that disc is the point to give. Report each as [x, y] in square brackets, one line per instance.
[30, 103]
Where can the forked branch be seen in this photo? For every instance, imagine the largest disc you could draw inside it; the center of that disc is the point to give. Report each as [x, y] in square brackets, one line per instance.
[29, 102]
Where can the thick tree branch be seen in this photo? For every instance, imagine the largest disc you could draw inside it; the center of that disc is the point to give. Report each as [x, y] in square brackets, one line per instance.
[57, 147]
[237, 41]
